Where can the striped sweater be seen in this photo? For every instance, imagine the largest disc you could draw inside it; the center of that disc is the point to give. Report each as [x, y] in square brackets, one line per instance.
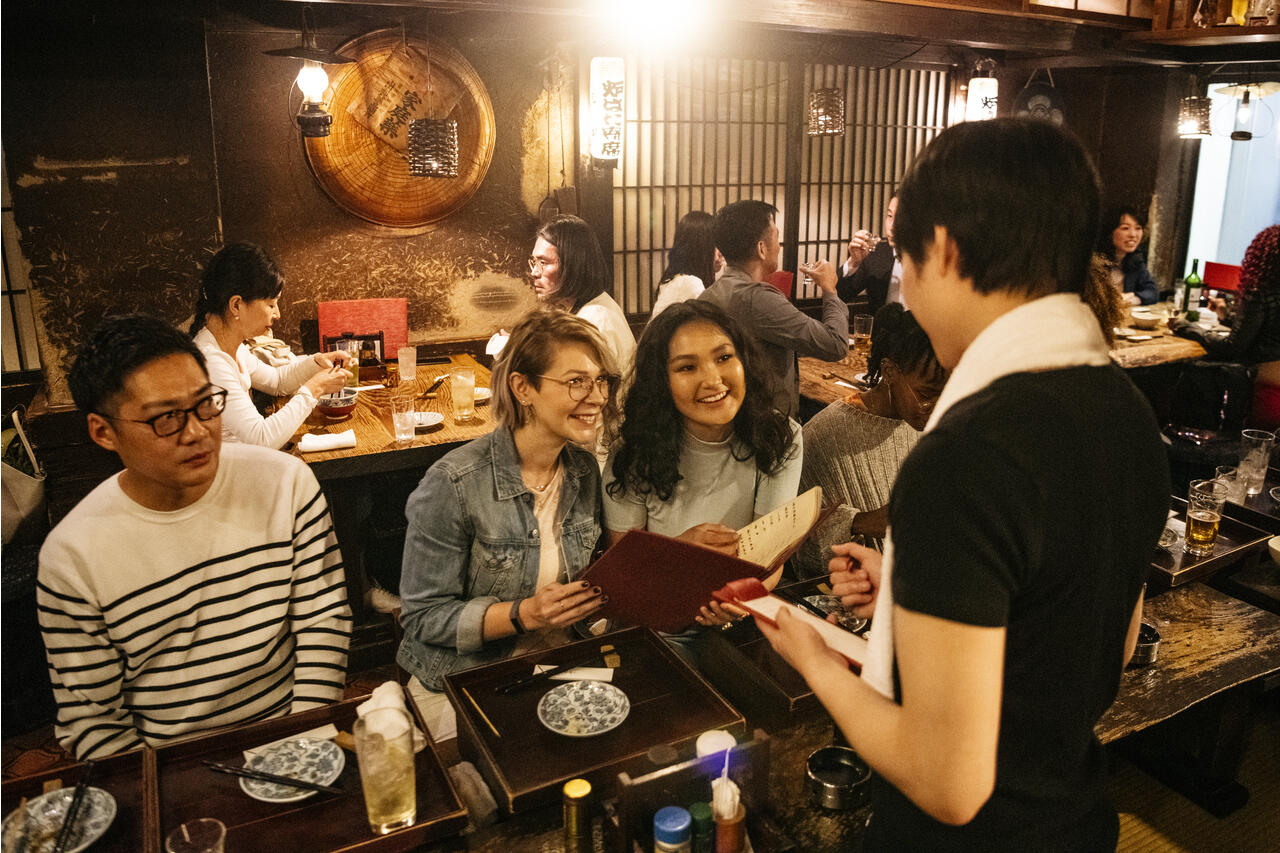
[161, 624]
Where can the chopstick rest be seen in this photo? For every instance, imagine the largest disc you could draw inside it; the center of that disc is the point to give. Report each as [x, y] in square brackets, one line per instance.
[578, 673]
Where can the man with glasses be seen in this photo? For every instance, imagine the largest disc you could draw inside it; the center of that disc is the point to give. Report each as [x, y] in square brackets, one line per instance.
[199, 587]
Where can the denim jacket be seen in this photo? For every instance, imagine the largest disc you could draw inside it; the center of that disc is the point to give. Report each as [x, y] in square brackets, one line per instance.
[473, 541]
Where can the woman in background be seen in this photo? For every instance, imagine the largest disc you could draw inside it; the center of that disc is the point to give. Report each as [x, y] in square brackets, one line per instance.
[1120, 236]
[501, 528]
[569, 272]
[702, 451]
[1255, 327]
[692, 263]
[238, 296]
[855, 446]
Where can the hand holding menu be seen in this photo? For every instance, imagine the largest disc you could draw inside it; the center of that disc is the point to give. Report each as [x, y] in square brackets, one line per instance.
[750, 595]
[661, 583]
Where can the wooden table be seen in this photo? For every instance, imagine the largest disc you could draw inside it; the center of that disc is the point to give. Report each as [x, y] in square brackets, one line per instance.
[159, 789]
[377, 450]
[818, 378]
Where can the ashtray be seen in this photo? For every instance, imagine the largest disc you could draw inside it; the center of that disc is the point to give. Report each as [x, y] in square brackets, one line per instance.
[1148, 646]
[1168, 538]
[837, 778]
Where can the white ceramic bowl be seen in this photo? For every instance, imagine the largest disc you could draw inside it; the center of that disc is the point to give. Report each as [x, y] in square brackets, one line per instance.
[1273, 545]
[1144, 319]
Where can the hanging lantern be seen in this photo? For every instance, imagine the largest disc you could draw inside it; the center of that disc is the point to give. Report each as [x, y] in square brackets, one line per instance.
[608, 87]
[983, 97]
[826, 112]
[1193, 117]
[433, 148]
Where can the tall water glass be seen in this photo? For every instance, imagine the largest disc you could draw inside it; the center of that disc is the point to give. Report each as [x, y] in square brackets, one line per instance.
[462, 389]
[408, 358]
[384, 748]
[1204, 512]
[402, 416]
[352, 348]
[1255, 456]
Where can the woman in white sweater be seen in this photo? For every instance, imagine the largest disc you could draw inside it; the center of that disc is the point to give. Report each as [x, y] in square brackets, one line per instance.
[693, 263]
[238, 296]
[702, 451]
[569, 272]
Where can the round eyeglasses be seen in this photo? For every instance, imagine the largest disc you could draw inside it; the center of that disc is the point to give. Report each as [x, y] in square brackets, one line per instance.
[174, 421]
[538, 265]
[579, 387]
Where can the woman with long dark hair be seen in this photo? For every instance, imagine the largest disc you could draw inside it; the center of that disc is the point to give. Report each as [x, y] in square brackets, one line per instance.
[692, 263]
[702, 451]
[569, 272]
[1255, 327]
[1120, 236]
[238, 296]
[855, 446]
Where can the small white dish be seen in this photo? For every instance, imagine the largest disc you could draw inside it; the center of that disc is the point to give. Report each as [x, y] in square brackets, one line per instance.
[583, 708]
[426, 420]
[482, 395]
[1273, 545]
[44, 820]
[307, 759]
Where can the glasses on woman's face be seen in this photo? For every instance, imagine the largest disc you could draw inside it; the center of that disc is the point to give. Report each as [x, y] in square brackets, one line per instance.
[579, 387]
[174, 421]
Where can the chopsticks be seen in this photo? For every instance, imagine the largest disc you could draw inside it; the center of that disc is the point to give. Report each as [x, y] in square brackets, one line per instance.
[73, 810]
[263, 776]
[605, 651]
[434, 385]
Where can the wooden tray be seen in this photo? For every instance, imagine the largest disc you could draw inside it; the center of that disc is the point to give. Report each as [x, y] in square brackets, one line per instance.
[742, 665]
[129, 777]
[188, 789]
[1238, 543]
[525, 763]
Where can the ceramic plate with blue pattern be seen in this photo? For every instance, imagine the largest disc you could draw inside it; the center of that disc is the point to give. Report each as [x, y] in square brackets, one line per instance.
[583, 708]
[39, 832]
[307, 759]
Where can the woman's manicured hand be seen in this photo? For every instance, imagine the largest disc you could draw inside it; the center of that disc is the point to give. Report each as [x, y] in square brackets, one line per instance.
[559, 604]
[338, 358]
[800, 645]
[855, 577]
[328, 381]
[715, 613]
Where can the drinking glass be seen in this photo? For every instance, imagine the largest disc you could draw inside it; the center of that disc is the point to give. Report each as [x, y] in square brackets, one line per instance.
[408, 358]
[384, 749]
[1255, 456]
[353, 366]
[462, 388]
[862, 334]
[1204, 512]
[402, 417]
[202, 835]
[1235, 483]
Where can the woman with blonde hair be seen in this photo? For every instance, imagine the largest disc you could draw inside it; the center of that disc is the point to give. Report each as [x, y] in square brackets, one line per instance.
[501, 528]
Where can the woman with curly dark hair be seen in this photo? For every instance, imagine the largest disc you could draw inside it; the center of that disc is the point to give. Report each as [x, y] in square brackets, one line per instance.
[1255, 328]
[702, 451]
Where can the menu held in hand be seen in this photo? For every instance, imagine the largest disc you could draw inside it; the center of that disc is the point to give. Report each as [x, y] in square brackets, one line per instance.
[661, 583]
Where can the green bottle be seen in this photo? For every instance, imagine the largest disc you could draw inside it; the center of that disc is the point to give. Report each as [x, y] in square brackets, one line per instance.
[1192, 300]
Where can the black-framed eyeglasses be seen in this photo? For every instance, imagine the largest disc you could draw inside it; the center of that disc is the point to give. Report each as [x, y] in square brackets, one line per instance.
[579, 387]
[174, 421]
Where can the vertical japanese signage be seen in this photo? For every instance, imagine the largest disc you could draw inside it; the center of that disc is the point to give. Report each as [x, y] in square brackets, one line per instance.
[608, 86]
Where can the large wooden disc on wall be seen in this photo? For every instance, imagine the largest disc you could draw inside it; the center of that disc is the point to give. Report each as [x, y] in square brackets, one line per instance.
[369, 177]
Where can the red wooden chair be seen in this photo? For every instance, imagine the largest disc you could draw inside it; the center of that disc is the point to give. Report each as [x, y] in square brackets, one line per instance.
[364, 317]
[782, 280]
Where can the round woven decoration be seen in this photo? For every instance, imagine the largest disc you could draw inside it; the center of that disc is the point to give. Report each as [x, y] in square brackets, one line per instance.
[368, 176]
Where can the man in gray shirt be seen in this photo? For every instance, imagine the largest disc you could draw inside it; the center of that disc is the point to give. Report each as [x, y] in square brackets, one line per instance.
[747, 236]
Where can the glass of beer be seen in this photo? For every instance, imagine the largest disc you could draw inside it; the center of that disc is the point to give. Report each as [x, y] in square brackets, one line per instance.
[861, 331]
[1204, 511]
[384, 748]
[462, 390]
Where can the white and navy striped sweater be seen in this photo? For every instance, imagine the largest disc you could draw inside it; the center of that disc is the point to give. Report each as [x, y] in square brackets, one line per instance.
[161, 624]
